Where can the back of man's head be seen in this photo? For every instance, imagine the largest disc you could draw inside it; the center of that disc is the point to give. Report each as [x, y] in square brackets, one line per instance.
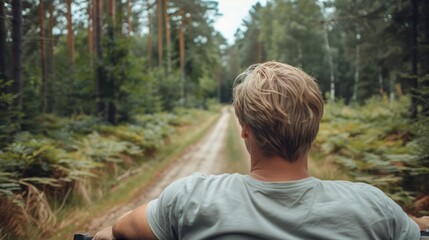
[281, 105]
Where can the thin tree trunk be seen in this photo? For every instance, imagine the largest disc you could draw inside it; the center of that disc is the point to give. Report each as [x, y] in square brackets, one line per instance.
[425, 61]
[149, 36]
[392, 81]
[129, 17]
[3, 66]
[70, 34]
[167, 36]
[414, 73]
[118, 11]
[219, 84]
[50, 59]
[91, 28]
[159, 13]
[259, 57]
[182, 54]
[51, 38]
[100, 71]
[331, 66]
[43, 55]
[111, 87]
[357, 66]
[17, 51]
[111, 12]
[380, 80]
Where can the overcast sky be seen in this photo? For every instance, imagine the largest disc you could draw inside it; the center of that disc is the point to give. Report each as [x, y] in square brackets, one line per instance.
[233, 13]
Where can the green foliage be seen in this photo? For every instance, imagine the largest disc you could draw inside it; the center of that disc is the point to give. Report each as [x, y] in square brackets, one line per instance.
[8, 185]
[421, 131]
[96, 148]
[377, 144]
[285, 31]
[66, 149]
[39, 161]
[64, 153]
[9, 114]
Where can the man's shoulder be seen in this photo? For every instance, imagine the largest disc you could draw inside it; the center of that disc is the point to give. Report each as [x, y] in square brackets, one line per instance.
[349, 184]
[352, 189]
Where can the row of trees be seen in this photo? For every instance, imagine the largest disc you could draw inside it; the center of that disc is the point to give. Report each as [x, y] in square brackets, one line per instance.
[110, 58]
[356, 49]
[114, 58]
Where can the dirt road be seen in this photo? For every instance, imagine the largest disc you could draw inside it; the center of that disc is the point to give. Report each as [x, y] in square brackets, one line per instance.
[205, 157]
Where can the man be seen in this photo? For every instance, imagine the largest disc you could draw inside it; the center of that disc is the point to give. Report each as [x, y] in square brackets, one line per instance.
[279, 108]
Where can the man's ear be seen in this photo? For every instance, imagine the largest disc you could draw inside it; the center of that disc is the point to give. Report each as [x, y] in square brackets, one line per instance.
[244, 131]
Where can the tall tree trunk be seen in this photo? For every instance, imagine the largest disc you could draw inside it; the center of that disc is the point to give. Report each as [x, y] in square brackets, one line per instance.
[331, 66]
[43, 56]
[380, 80]
[50, 59]
[414, 73]
[392, 82]
[167, 36]
[357, 69]
[129, 17]
[100, 71]
[118, 10]
[17, 51]
[219, 84]
[110, 84]
[182, 53]
[70, 34]
[91, 28]
[159, 13]
[425, 60]
[111, 12]
[149, 36]
[3, 66]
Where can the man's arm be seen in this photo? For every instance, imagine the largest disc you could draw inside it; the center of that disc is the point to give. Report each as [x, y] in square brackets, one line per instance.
[132, 225]
[423, 222]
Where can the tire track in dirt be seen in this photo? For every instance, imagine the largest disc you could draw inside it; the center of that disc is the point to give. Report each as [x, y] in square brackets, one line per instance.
[204, 156]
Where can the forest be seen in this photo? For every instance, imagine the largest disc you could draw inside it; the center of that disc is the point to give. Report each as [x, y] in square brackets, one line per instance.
[92, 89]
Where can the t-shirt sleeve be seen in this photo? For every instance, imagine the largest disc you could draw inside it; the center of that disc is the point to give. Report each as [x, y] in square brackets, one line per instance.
[404, 227]
[163, 213]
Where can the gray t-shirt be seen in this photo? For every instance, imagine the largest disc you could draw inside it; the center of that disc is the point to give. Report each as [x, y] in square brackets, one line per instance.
[235, 206]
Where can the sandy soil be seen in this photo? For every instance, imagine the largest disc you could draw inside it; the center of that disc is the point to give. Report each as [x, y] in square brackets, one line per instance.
[205, 157]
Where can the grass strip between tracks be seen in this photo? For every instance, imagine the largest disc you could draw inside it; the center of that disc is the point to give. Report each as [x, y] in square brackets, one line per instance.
[235, 155]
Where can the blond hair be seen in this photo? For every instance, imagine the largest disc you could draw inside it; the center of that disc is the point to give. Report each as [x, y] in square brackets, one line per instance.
[281, 105]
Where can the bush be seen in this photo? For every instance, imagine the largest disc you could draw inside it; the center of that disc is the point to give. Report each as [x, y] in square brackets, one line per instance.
[377, 144]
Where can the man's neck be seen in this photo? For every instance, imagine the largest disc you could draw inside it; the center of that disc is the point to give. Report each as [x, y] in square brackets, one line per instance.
[277, 169]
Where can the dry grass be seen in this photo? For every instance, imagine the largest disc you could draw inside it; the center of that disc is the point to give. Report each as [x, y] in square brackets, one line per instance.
[28, 209]
[38, 211]
[326, 169]
[13, 218]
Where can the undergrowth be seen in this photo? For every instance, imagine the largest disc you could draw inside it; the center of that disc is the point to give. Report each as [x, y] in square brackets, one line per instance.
[68, 162]
[378, 144]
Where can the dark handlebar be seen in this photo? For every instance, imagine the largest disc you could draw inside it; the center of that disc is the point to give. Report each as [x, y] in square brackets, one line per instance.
[80, 236]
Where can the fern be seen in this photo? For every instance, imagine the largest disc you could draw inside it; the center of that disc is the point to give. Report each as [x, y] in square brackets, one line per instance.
[377, 144]
[8, 184]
